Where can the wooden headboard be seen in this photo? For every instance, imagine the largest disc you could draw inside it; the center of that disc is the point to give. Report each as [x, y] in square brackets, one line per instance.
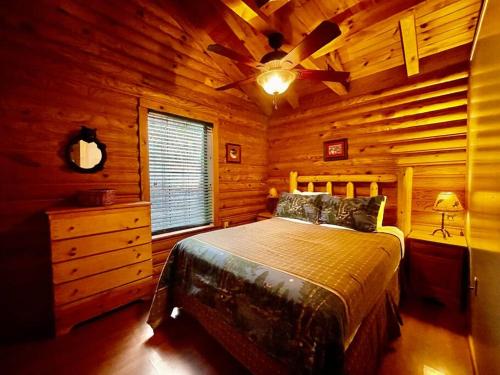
[404, 180]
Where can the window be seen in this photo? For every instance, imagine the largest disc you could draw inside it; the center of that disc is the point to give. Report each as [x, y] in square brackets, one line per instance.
[180, 172]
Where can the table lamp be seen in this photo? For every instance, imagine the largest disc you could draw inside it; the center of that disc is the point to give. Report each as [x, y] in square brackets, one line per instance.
[272, 200]
[446, 202]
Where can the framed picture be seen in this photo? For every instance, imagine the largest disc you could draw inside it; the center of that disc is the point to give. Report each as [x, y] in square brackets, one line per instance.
[233, 153]
[335, 150]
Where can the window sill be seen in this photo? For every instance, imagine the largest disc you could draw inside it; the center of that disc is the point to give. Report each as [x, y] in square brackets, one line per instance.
[182, 231]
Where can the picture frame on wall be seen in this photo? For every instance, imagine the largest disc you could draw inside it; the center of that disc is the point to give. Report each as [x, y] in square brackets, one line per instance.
[335, 150]
[233, 153]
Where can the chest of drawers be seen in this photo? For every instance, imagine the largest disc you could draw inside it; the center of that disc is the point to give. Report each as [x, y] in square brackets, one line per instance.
[101, 259]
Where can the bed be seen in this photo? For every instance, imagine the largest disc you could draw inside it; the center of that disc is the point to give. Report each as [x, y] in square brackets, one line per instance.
[287, 296]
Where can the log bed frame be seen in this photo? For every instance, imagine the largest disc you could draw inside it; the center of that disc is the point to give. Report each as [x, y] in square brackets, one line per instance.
[404, 181]
[377, 328]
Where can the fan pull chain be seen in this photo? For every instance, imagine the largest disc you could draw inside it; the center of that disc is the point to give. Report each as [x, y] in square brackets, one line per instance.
[275, 101]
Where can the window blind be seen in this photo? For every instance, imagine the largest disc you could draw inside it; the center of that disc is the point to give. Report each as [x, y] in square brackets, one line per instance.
[180, 172]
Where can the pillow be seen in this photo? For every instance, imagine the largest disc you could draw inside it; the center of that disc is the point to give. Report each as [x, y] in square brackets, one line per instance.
[298, 206]
[308, 192]
[360, 213]
[380, 216]
[329, 209]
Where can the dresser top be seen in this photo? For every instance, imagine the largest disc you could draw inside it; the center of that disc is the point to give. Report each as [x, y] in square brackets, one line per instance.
[68, 209]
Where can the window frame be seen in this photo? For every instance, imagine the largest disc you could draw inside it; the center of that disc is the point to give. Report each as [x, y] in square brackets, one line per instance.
[146, 105]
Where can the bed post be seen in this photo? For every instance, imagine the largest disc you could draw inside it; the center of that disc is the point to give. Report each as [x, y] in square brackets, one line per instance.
[405, 187]
[293, 181]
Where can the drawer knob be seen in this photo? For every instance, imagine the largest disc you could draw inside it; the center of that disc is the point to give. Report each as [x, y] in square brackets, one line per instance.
[74, 270]
[138, 255]
[72, 252]
[137, 237]
[74, 292]
[139, 272]
[130, 242]
[71, 228]
[136, 220]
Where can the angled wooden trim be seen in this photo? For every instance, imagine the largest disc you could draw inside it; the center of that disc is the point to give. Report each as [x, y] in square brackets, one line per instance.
[273, 6]
[409, 44]
[143, 152]
[356, 21]
[250, 13]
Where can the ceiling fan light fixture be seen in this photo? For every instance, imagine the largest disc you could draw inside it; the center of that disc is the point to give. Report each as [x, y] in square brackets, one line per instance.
[276, 81]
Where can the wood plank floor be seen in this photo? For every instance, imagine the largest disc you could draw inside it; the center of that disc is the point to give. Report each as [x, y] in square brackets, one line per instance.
[122, 343]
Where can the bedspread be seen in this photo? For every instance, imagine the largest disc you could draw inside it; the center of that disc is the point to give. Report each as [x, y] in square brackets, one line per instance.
[297, 291]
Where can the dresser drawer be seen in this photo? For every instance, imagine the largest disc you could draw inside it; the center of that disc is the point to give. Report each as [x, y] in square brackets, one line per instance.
[90, 223]
[436, 249]
[82, 267]
[75, 312]
[436, 270]
[74, 248]
[81, 288]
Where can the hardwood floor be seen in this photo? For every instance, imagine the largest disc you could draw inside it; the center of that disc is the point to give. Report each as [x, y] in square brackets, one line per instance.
[122, 343]
[433, 342]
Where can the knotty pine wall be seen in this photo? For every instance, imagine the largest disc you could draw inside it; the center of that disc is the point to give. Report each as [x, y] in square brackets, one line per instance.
[67, 63]
[420, 123]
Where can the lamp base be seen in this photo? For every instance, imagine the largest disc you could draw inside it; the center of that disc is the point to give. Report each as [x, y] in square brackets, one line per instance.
[443, 231]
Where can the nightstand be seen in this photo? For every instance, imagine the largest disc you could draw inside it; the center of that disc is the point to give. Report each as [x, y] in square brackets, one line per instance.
[264, 215]
[437, 267]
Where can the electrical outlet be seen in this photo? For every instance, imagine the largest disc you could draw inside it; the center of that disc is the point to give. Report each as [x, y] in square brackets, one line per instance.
[226, 224]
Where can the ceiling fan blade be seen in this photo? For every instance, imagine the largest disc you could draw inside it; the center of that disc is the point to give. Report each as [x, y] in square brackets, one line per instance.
[319, 37]
[236, 84]
[230, 54]
[323, 75]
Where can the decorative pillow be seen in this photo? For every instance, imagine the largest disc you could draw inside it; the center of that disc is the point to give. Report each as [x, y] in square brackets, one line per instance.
[360, 213]
[380, 216]
[298, 206]
[329, 209]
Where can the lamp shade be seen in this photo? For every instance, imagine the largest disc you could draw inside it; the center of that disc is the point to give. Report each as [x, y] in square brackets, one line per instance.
[447, 202]
[276, 81]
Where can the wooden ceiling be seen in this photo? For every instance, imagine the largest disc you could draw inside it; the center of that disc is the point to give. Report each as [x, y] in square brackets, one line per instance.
[377, 35]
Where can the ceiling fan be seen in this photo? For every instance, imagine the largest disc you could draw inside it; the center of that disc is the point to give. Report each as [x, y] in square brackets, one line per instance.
[277, 68]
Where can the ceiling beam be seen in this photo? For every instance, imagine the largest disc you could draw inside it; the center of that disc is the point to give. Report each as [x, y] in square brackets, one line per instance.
[409, 44]
[272, 6]
[203, 39]
[353, 21]
[260, 23]
[333, 61]
[250, 13]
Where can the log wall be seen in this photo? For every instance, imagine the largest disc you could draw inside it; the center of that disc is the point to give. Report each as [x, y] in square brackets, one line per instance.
[419, 122]
[64, 64]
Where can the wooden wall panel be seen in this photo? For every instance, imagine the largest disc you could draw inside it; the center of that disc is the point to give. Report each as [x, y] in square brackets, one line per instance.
[69, 63]
[420, 122]
[483, 193]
